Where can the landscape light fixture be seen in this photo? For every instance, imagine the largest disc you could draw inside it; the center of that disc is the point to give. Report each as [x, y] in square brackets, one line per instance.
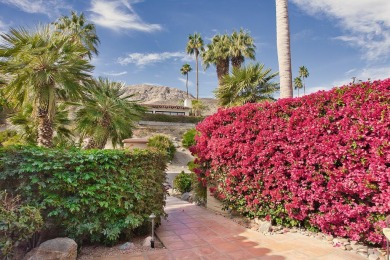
[152, 217]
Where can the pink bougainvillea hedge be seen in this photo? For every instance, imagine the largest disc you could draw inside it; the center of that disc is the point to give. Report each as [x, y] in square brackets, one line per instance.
[321, 161]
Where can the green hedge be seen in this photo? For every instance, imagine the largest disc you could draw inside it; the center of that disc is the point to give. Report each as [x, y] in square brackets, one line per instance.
[171, 119]
[93, 195]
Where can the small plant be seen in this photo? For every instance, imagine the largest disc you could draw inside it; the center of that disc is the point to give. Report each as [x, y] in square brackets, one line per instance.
[164, 144]
[189, 138]
[183, 182]
[200, 190]
[18, 222]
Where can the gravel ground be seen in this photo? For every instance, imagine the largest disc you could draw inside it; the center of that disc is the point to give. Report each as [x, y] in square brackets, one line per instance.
[98, 251]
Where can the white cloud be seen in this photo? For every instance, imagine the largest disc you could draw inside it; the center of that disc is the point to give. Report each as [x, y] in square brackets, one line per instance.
[143, 59]
[47, 7]
[115, 74]
[366, 23]
[3, 27]
[184, 81]
[119, 15]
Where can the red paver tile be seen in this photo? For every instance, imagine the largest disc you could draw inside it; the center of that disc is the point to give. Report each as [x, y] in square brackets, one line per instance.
[240, 255]
[183, 231]
[189, 237]
[176, 245]
[205, 250]
[261, 251]
[184, 254]
[226, 247]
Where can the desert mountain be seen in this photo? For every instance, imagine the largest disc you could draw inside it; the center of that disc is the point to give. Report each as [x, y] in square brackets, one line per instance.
[162, 95]
[149, 94]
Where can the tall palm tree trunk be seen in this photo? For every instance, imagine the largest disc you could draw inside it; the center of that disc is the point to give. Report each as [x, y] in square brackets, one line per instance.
[283, 46]
[187, 84]
[45, 129]
[197, 79]
[304, 88]
[222, 69]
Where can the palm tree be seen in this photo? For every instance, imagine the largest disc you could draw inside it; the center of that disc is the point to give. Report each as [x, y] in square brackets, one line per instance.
[185, 70]
[80, 31]
[44, 67]
[303, 74]
[217, 53]
[107, 113]
[242, 45]
[283, 46]
[25, 125]
[195, 46]
[198, 106]
[247, 85]
[298, 83]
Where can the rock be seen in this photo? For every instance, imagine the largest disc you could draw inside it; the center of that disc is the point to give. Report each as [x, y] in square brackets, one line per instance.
[293, 230]
[265, 227]
[126, 246]
[185, 196]
[329, 238]
[373, 257]
[353, 242]
[183, 149]
[348, 247]
[62, 248]
[146, 242]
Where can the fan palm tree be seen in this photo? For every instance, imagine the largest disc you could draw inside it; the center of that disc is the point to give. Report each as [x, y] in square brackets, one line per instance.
[298, 83]
[242, 45]
[283, 46]
[26, 126]
[81, 31]
[107, 113]
[195, 46]
[185, 70]
[247, 85]
[303, 74]
[44, 67]
[217, 53]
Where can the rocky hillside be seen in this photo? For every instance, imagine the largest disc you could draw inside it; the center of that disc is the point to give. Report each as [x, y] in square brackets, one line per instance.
[150, 94]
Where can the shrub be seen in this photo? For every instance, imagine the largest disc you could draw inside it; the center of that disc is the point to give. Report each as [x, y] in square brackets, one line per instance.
[93, 195]
[321, 161]
[188, 139]
[198, 187]
[183, 182]
[163, 144]
[171, 118]
[18, 222]
[9, 137]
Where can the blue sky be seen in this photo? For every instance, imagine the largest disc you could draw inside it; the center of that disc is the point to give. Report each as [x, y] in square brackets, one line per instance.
[144, 41]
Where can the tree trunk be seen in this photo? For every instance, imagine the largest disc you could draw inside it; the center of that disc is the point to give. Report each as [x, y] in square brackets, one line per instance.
[45, 129]
[237, 61]
[187, 84]
[197, 79]
[91, 144]
[222, 69]
[283, 46]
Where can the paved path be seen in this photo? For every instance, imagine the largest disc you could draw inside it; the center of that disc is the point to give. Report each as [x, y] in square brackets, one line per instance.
[193, 232]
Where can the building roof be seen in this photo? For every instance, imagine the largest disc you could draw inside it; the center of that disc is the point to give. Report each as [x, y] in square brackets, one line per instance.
[165, 106]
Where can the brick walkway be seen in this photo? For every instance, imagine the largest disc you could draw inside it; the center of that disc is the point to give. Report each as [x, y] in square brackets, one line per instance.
[192, 232]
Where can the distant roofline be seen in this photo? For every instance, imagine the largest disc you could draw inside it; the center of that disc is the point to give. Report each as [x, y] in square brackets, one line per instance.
[165, 106]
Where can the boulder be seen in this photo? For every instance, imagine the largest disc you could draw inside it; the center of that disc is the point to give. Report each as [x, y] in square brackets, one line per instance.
[146, 242]
[61, 248]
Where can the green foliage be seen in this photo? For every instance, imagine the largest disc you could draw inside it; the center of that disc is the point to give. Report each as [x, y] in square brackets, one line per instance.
[10, 137]
[250, 84]
[198, 187]
[171, 119]
[163, 144]
[93, 195]
[18, 222]
[189, 138]
[183, 182]
[107, 113]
